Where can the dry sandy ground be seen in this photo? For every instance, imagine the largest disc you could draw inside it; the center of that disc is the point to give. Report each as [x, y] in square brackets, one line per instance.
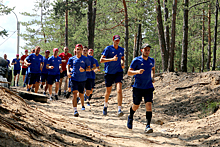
[177, 117]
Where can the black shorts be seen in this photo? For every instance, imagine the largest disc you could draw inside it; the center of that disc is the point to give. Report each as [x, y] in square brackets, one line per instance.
[89, 84]
[33, 78]
[79, 86]
[44, 77]
[113, 78]
[93, 83]
[23, 71]
[139, 93]
[53, 78]
[16, 72]
[63, 74]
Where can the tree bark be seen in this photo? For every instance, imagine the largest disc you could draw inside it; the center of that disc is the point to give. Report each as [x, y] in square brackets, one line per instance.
[203, 39]
[139, 36]
[135, 44]
[164, 54]
[185, 37]
[167, 29]
[66, 25]
[90, 34]
[126, 36]
[209, 39]
[215, 35]
[93, 24]
[173, 37]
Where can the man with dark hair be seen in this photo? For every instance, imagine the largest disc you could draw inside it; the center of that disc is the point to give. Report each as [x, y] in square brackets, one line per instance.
[24, 67]
[17, 68]
[141, 67]
[5, 57]
[112, 56]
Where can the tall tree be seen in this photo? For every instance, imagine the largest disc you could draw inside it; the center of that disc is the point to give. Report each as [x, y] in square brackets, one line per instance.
[166, 31]
[173, 35]
[90, 30]
[203, 39]
[185, 37]
[139, 36]
[66, 24]
[209, 38]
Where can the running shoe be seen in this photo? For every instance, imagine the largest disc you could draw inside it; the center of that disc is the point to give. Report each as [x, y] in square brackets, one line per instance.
[44, 93]
[32, 90]
[59, 92]
[78, 100]
[120, 113]
[76, 114]
[23, 85]
[56, 97]
[51, 98]
[148, 129]
[105, 111]
[68, 95]
[41, 86]
[130, 122]
[64, 94]
[28, 90]
[88, 104]
[17, 85]
[83, 108]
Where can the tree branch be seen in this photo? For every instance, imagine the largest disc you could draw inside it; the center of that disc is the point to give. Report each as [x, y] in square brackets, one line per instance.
[120, 24]
[198, 4]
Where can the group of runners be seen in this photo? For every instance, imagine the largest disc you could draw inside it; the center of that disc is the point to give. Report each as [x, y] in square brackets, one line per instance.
[78, 72]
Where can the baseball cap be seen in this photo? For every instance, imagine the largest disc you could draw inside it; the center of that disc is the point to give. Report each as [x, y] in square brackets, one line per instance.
[79, 45]
[26, 51]
[116, 37]
[47, 51]
[91, 50]
[145, 45]
[17, 55]
[55, 49]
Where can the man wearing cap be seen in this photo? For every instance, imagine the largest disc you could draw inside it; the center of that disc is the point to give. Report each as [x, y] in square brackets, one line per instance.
[65, 57]
[79, 65]
[35, 63]
[5, 57]
[24, 67]
[112, 56]
[54, 70]
[44, 72]
[141, 67]
[17, 68]
[90, 53]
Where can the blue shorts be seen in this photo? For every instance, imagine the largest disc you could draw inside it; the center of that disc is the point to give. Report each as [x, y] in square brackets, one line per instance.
[113, 78]
[16, 72]
[75, 85]
[63, 74]
[33, 78]
[139, 93]
[44, 77]
[89, 84]
[69, 83]
[53, 78]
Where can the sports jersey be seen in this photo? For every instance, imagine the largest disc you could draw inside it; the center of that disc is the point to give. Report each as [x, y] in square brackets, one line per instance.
[55, 62]
[75, 63]
[22, 59]
[113, 66]
[143, 81]
[8, 62]
[45, 70]
[17, 66]
[64, 57]
[35, 61]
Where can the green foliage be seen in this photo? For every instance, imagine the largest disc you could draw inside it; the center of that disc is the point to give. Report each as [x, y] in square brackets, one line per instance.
[209, 108]
[3, 33]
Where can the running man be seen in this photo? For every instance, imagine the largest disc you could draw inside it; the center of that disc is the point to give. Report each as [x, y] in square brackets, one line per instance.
[112, 56]
[24, 67]
[91, 53]
[44, 72]
[5, 57]
[54, 66]
[141, 67]
[65, 57]
[89, 74]
[79, 64]
[35, 64]
[17, 68]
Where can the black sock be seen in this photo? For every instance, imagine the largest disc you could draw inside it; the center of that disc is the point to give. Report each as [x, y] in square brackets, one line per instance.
[90, 96]
[17, 83]
[131, 113]
[148, 117]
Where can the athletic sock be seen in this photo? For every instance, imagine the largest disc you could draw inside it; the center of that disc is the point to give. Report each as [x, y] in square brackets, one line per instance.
[75, 109]
[50, 95]
[14, 83]
[131, 113]
[119, 108]
[90, 96]
[56, 93]
[148, 117]
[106, 104]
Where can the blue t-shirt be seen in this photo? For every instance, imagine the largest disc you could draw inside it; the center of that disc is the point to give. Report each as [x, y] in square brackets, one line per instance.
[143, 81]
[97, 65]
[8, 62]
[89, 74]
[35, 63]
[55, 62]
[45, 70]
[17, 66]
[75, 64]
[113, 66]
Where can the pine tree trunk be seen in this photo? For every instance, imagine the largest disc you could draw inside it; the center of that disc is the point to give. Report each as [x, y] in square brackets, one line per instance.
[139, 36]
[93, 24]
[90, 34]
[173, 35]
[215, 35]
[164, 54]
[126, 36]
[203, 39]
[135, 44]
[167, 29]
[185, 37]
[66, 25]
[209, 39]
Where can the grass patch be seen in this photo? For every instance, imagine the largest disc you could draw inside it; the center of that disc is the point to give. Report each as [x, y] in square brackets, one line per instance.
[209, 108]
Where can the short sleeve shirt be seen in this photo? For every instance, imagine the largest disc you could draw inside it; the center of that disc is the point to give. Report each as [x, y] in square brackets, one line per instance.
[75, 63]
[113, 66]
[143, 81]
[89, 74]
[55, 62]
[45, 70]
[35, 63]
[22, 59]
[17, 66]
[64, 57]
[8, 62]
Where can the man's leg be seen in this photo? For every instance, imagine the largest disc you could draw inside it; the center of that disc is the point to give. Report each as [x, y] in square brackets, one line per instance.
[56, 90]
[148, 117]
[36, 87]
[81, 95]
[60, 85]
[46, 87]
[74, 101]
[65, 86]
[107, 94]
[50, 91]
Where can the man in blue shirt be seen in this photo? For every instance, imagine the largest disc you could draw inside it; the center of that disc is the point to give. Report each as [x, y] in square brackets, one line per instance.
[54, 70]
[89, 74]
[35, 63]
[79, 64]
[5, 57]
[17, 68]
[112, 56]
[44, 72]
[141, 67]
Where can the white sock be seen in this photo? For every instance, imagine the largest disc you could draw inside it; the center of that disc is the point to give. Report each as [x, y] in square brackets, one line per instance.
[50, 95]
[119, 107]
[55, 93]
[106, 104]
[75, 108]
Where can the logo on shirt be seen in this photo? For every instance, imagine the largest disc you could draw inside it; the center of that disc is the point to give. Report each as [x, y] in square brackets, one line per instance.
[53, 60]
[151, 64]
[33, 58]
[82, 61]
[142, 63]
[113, 52]
[120, 54]
[74, 61]
[40, 59]
[58, 60]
